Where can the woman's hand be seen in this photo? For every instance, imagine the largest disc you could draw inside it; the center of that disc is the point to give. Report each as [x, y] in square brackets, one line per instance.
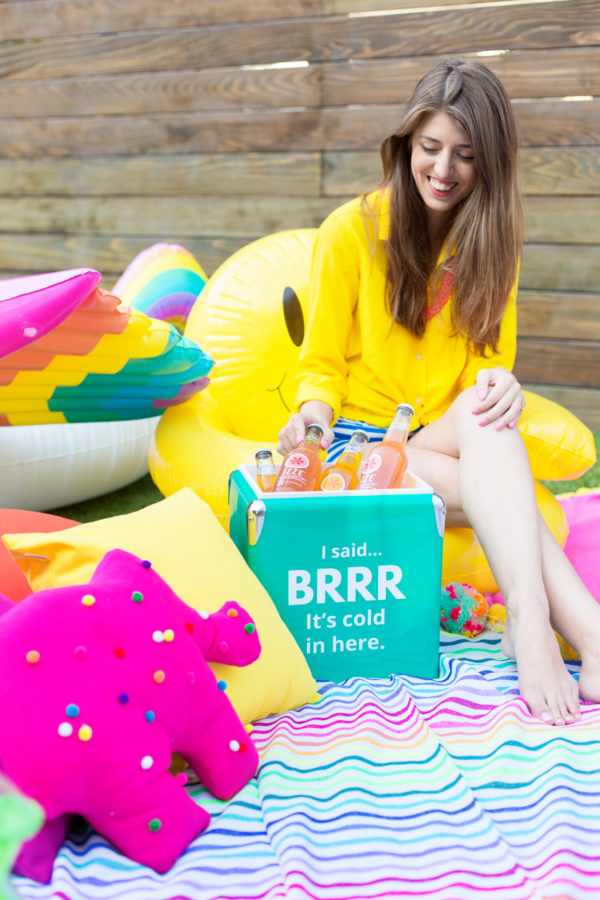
[311, 411]
[501, 399]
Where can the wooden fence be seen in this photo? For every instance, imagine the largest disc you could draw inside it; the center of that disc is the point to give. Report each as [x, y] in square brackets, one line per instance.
[213, 122]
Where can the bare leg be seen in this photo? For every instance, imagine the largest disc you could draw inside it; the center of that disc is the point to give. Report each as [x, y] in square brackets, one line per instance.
[493, 485]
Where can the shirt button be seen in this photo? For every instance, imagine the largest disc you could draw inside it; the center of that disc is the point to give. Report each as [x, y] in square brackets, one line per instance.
[418, 356]
[418, 400]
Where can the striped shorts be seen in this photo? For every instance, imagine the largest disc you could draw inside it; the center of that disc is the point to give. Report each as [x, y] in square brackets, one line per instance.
[342, 432]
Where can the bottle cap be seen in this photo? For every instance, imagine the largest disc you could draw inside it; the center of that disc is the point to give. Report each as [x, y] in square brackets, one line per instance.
[315, 427]
[359, 433]
[263, 453]
[405, 408]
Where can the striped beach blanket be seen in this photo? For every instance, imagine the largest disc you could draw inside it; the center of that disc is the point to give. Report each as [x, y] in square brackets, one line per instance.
[385, 788]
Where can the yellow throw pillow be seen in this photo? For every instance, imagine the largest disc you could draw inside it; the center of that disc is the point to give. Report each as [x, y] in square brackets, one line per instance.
[189, 549]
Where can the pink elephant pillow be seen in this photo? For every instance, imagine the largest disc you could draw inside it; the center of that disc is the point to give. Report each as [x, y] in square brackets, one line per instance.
[99, 684]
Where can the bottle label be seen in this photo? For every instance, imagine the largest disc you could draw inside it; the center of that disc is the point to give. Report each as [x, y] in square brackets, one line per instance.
[333, 482]
[297, 461]
[372, 463]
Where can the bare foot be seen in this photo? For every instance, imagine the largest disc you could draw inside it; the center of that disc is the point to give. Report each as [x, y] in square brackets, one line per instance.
[544, 683]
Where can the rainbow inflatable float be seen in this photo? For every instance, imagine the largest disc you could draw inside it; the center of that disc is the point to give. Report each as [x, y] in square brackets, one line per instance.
[83, 368]
[164, 282]
[250, 318]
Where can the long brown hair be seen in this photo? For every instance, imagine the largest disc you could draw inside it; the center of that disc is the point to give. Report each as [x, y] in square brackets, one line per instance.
[486, 233]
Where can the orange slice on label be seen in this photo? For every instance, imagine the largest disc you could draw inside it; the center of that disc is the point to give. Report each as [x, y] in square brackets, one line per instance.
[333, 482]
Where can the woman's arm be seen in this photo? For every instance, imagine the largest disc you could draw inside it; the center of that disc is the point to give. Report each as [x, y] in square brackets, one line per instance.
[322, 366]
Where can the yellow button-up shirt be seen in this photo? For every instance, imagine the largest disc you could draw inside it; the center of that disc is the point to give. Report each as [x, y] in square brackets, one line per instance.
[354, 356]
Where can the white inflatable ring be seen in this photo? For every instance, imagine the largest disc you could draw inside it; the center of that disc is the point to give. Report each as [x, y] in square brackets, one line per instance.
[44, 467]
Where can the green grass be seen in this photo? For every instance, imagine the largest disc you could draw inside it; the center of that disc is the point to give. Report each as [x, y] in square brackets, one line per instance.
[135, 496]
[144, 492]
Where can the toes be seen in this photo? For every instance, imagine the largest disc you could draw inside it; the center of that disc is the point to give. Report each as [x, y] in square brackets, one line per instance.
[559, 709]
[556, 714]
[539, 706]
[550, 715]
[573, 708]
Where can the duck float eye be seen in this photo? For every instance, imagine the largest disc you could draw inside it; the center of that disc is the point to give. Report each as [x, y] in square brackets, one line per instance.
[294, 317]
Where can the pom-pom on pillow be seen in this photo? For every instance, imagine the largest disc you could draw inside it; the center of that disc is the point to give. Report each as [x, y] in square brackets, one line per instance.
[463, 609]
[99, 682]
[193, 553]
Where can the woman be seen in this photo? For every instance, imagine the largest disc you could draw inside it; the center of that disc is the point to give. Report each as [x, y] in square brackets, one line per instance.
[413, 298]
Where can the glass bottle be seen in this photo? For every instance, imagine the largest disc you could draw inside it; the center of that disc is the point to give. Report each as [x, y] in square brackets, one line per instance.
[386, 464]
[266, 473]
[301, 467]
[342, 475]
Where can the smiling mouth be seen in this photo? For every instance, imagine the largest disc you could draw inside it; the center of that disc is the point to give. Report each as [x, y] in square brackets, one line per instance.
[441, 188]
[278, 389]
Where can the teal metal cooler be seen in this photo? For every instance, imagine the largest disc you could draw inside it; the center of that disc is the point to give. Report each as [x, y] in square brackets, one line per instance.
[355, 576]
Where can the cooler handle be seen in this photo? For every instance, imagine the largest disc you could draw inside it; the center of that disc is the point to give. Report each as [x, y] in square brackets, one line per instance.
[255, 518]
[439, 507]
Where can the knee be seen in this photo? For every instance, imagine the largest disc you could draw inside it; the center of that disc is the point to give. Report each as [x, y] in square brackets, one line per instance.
[464, 405]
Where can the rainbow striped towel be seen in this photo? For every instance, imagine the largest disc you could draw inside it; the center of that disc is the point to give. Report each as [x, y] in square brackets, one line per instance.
[398, 787]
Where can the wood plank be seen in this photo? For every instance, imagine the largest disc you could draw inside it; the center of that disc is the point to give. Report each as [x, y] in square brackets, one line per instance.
[562, 220]
[558, 170]
[574, 363]
[24, 255]
[299, 174]
[554, 314]
[476, 28]
[582, 402]
[354, 171]
[525, 74]
[556, 267]
[362, 7]
[211, 216]
[155, 51]
[294, 130]
[459, 29]
[154, 92]
[544, 170]
[562, 72]
[551, 122]
[333, 128]
[54, 18]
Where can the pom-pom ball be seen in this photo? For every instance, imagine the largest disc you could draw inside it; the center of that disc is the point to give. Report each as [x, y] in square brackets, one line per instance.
[463, 609]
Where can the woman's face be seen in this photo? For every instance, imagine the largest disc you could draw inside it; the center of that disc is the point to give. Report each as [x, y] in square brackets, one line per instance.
[442, 165]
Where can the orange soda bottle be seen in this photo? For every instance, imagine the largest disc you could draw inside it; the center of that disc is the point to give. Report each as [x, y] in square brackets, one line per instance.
[343, 474]
[301, 467]
[265, 469]
[386, 465]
